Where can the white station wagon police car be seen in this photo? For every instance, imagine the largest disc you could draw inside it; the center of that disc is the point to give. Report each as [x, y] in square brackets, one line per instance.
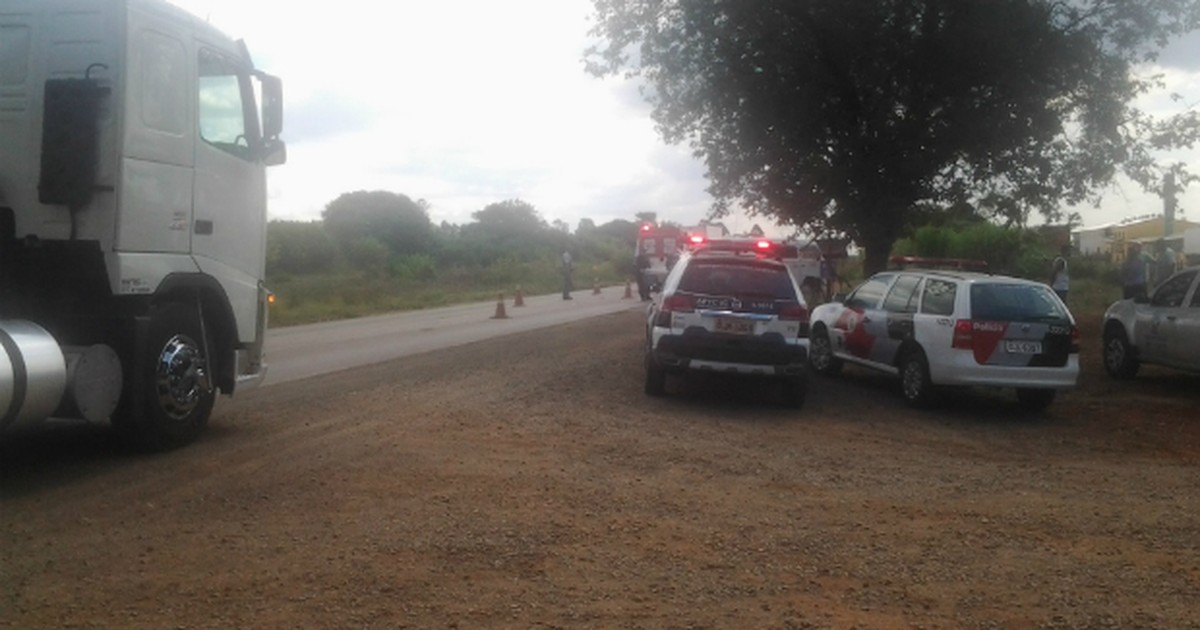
[951, 328]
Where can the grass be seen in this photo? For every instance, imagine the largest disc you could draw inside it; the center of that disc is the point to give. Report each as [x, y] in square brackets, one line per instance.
[305, 299]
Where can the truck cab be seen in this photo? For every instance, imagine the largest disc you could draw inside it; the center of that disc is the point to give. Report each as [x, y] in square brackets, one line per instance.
[134, 143]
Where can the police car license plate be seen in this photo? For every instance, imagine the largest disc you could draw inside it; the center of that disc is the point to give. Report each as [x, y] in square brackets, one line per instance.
[1023, 347]
[734, 326]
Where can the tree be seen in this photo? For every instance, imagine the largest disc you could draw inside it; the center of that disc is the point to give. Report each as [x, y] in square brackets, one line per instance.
[509, 218]
[845, 115]
[397, 222]
[298, 247]
[511, 228]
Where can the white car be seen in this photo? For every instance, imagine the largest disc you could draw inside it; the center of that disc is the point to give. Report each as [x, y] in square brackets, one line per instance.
[951, 328]
[732, 308]
[1163, 328]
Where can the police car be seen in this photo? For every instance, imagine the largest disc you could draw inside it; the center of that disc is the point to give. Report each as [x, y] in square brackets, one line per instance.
[730, 307]
[951, 326]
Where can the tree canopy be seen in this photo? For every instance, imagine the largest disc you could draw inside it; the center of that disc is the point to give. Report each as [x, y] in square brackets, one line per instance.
[845, 116]
[393, 220]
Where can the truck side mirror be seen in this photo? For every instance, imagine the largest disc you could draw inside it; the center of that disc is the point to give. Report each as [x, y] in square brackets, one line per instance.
[70, 130]
[272, 105]
[274, 151]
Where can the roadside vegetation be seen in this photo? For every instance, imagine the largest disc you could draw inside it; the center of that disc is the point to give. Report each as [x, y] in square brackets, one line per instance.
[377, 251]
[362, 259]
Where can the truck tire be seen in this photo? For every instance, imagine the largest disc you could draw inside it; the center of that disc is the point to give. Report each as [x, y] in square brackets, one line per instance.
[169, 391]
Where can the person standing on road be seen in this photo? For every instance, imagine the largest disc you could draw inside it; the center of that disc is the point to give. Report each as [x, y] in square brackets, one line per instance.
[641, 263]
[1133, 273]
[566, 272]
[1060, 279]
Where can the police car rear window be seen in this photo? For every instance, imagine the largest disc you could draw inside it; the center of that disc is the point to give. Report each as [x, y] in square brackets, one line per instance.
[1014, 303]
[741, 278]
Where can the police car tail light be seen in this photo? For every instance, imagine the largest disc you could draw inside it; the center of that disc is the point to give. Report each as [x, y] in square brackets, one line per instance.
[678, 304]
[963, 337]
[794, 312]
[1074, 340]
[674, 304]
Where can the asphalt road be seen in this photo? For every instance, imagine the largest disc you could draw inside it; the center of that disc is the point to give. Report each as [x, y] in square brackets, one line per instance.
[299, 352]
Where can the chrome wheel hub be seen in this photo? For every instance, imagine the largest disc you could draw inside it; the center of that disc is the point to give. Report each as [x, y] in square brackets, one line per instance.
[181, 377]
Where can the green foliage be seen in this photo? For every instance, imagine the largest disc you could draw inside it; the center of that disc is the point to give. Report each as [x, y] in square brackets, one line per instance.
[508, 246]
[299, 247]
[1006, 250]
[397, 222]
[367, 253]
[419, 267]
[845, 115]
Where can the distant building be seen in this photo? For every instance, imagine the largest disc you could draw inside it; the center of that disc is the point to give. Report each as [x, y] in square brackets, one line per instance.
[1113, 239]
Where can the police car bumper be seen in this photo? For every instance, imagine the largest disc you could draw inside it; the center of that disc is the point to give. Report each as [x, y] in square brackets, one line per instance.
[768, 355]
[965, 371]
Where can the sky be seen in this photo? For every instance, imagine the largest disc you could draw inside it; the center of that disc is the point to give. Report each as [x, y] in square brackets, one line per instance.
[464, 103]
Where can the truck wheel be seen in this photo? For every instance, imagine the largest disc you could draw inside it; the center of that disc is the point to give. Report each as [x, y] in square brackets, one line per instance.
[169, 395]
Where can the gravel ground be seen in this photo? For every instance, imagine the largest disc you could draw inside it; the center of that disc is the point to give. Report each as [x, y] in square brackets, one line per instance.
[527, 482]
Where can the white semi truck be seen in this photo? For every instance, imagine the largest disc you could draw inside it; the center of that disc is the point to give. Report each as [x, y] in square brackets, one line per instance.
[134, 141]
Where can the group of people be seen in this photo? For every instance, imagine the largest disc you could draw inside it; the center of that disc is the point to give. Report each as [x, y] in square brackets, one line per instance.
[1141, 269]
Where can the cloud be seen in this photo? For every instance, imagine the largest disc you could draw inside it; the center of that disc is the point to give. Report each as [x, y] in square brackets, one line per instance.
[1182, 53]
[324, 114]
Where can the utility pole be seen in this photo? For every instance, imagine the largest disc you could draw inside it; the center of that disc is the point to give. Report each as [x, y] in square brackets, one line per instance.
[1168, 195]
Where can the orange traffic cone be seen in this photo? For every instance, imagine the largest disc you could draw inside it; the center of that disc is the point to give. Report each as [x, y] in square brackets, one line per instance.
[518, 299]
[628, 291]
[500, 314]
[596, 286]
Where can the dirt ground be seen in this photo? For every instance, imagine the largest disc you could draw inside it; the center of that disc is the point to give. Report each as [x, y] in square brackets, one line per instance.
[527, 482]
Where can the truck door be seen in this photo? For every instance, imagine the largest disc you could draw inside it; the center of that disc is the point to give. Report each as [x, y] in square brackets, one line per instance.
[229, 221]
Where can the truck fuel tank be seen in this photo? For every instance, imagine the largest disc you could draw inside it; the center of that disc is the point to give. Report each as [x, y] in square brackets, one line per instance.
[40, 379]
[33, 373]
